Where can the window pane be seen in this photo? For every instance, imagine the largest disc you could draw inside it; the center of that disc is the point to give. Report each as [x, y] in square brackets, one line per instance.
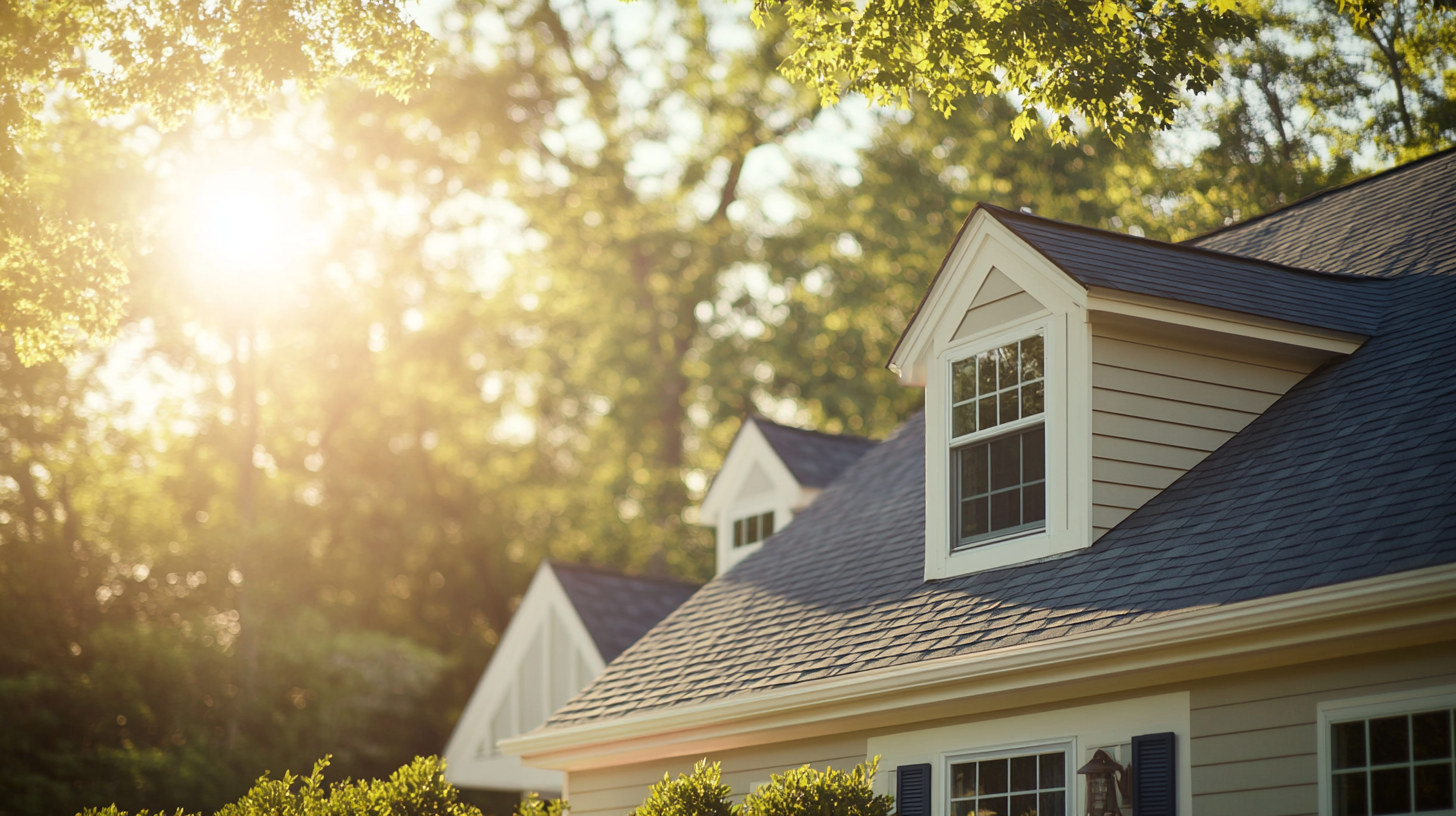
[1005, 509]
[1349, 749]
[1053, 804]
[1389, 740]
[974, 471]
[1006, 366]
[1023, 805]
[963, 380]
[1390, 791]
[1349, 794]
[1033, 503]
[987, 412]
[1023, 774]
[1031, 358]
[993, 778]
[1010, 411]
[986, 372]
[1054, 770]
[963, 780]
[1033, 455]
[738, 533]
[752, 529]
[963, 419]
[992, 807]
[1431, 735]
[767, 524]
[1032, 401]
[975, 517]
[963, 808]
[1006, 463]
[1433, 787]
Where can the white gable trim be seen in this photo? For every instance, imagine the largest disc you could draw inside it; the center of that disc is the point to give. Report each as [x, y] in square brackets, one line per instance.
[726, 501]
[545, 613]
[986, 244]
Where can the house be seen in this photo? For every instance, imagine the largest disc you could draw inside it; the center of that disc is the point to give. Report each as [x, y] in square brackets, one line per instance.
[1193, 505]
[574, 620]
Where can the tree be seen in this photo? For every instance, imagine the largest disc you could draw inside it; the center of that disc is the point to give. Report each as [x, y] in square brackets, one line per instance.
[61, 274]
[1121, 66]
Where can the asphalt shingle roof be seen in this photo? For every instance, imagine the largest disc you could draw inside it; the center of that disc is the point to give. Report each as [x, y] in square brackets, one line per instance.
[1348, 476]
[619, 609]
[816, 459]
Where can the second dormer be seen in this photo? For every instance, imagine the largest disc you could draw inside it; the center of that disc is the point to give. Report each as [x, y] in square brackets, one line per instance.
[1071, 374]
[770, 473]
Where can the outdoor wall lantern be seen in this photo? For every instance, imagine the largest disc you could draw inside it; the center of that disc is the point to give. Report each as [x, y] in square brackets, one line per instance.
[1102, 790]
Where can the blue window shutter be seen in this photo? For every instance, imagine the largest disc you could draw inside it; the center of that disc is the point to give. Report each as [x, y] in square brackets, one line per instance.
[912, 790]
[1154, 774]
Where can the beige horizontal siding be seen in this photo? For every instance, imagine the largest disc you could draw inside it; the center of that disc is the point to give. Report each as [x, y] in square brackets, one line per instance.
[616, 791]
[1161, 404]
[995, 313]
[1253, 749]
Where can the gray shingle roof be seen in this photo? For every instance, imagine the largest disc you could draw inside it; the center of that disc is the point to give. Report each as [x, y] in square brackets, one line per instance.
[619, 609]
[1113, 260]
[1348, 476]
[1397, 222]
[816, 459]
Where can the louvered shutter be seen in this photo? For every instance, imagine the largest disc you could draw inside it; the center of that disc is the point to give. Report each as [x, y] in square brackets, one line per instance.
[912, 790]
[1154, 775]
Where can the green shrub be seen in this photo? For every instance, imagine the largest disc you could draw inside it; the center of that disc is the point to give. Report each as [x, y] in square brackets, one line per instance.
[807, 792]
[417, 789]
[701, 793]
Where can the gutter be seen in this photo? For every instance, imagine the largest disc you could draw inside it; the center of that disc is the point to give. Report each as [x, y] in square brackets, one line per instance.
[1373, 614]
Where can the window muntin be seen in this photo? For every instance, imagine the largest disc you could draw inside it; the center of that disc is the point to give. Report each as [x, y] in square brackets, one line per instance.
[998, 452]
[1021, 785]
[1393, 764]
[753, 529]
[998, 386]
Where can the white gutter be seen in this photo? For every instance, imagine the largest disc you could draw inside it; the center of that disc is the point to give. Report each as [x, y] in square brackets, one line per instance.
[1359, 616]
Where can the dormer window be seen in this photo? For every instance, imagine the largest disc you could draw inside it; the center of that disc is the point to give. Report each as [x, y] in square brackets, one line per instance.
[753, 529]
[998, 442]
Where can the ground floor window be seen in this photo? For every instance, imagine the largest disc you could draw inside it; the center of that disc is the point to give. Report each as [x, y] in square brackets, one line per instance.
[1021, 784]
[1400, 763]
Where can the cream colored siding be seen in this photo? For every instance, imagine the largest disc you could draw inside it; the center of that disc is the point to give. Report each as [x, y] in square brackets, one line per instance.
[1000, 301]
[1161, 404]
[617, 790]
[1254, 739]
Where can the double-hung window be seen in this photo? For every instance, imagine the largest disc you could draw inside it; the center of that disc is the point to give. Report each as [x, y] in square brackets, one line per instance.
[998, 443]
[1031, 783]
[1390, 754]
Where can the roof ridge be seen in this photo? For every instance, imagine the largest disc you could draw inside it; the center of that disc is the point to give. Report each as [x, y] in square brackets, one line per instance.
[1299, 202]
[837, 437]
[597, 569]
[1178, 247]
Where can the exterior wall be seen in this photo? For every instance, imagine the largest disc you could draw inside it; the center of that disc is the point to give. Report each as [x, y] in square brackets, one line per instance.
[618, 790]
[1254, 735]
[1161, 404]
[998, 302]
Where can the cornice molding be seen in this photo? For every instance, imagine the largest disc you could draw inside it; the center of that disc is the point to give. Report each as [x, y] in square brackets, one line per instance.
[1277, 630]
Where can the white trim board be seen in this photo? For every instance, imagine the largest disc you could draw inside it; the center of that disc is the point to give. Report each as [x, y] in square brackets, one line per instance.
[544, 632]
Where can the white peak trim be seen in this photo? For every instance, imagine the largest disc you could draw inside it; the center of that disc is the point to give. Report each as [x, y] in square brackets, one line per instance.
[1358, 617]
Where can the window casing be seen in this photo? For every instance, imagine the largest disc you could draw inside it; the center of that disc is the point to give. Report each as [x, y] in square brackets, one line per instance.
[1390, 756]
[753, 529]
[1035, 781]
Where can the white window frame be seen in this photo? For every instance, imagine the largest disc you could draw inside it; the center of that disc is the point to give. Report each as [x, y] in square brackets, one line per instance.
[1332, 712]
[1068, 451]
[1067, 745]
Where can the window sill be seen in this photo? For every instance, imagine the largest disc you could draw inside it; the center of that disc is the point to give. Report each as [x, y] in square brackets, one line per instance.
[1006, 551]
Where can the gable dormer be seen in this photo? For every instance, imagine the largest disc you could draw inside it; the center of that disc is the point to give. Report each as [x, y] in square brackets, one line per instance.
[1072, 374]
[770, 473]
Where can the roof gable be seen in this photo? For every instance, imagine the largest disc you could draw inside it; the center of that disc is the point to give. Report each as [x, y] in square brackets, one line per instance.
[617, 610]
[815, 458]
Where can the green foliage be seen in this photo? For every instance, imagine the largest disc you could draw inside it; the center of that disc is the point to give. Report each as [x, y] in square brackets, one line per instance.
[533, 805]
[807, 792]
[61, 274]
[700, 793]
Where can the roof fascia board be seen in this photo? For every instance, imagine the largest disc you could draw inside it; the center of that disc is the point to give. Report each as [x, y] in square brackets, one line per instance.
[749, 446]
[987, 244]
[543, 594]
[1360, 616]
[1223, 321]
